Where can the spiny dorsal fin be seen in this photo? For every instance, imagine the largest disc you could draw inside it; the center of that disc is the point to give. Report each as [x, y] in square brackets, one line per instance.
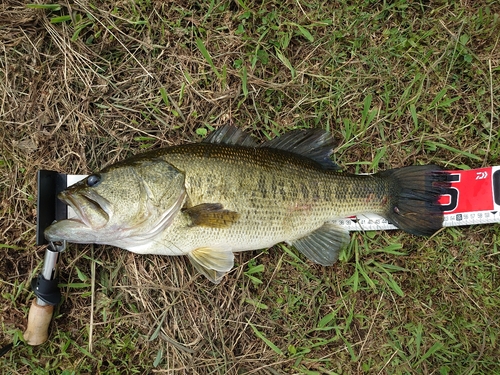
[211, 215]
[323, 246]
[230, 135]
[316, 144]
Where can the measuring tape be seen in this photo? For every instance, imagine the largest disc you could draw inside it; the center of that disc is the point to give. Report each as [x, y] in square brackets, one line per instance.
[473, 197]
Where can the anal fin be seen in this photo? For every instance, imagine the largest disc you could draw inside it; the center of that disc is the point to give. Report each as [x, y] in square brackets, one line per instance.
[211, 215]
[212, 263]
[323, 246]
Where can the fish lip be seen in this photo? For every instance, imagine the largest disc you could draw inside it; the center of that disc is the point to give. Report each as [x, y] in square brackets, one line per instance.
[84, 201]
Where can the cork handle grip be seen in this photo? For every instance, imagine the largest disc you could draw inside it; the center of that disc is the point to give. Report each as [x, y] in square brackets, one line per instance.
[39, 319]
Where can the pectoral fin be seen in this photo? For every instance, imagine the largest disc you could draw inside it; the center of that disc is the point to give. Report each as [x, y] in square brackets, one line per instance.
[211, 215]
[212, 263]
[323, 246]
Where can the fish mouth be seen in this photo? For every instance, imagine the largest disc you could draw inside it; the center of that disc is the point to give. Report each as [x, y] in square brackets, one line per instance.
[91, 209]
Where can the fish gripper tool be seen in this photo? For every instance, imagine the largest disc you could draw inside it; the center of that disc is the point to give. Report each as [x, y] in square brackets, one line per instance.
[45, 287]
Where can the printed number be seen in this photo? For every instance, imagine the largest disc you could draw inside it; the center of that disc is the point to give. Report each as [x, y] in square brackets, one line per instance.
[481, 175]
[453, 194]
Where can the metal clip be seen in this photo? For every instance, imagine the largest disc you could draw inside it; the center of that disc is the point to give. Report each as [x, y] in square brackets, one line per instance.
[57, 247]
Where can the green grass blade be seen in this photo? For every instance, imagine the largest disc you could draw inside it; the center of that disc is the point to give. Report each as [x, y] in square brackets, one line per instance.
[52, 7]
[389, 280]
[206, 55]
[432, 350]
[164, 96]
[60, 19]
[413, 112]
[305, 33]
[285, 61]
[268, 342]
[433, 145]
[244, 81]
[438, 98]
[158, 358]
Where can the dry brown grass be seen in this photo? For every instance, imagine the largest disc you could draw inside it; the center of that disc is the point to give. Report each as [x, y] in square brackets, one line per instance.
[134, 78]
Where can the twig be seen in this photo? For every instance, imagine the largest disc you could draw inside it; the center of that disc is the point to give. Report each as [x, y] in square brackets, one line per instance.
[92, 298]
[492, 109]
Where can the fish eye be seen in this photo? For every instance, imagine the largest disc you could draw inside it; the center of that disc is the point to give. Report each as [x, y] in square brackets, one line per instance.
[93, 180]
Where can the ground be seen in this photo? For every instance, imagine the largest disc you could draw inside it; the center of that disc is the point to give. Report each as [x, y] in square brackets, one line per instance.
[87, 83]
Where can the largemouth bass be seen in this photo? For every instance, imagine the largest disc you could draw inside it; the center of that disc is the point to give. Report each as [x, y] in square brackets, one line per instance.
[227, 194]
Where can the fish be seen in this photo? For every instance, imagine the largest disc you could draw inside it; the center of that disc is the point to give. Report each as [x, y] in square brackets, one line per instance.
[228, 194]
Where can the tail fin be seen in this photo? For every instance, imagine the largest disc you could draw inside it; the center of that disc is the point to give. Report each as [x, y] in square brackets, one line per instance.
[413, 205]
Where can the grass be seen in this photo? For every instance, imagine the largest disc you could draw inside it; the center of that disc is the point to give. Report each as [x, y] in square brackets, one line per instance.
[84, 84]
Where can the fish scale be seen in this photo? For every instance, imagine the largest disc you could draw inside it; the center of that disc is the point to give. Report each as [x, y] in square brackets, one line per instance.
[241, 180]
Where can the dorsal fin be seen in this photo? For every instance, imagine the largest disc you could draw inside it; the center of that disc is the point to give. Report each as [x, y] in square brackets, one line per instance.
[316, 144]
[230, 135]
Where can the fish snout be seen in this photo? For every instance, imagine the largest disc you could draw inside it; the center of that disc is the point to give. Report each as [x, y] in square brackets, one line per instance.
[89, 208]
